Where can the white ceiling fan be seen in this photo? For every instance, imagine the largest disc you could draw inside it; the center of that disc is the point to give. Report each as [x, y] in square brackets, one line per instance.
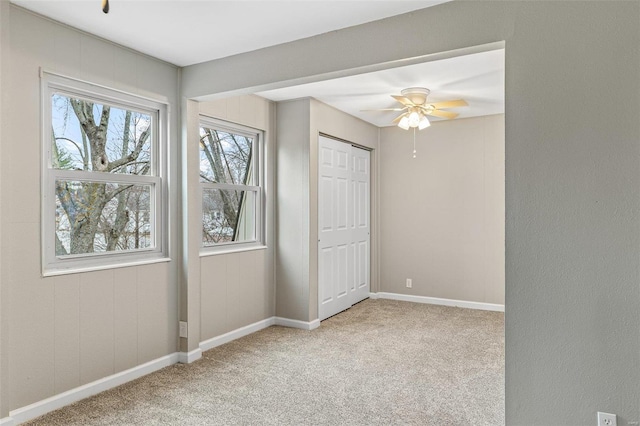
[416, 108]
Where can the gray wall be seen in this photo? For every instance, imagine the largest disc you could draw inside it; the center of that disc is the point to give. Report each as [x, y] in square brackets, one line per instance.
[292, 216]
[442, 213]
[572, 193]
[65, 331]
[4, 27]
[573, 214]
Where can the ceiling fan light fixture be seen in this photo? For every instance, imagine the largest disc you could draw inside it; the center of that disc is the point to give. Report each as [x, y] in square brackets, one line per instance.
[414, 119]
[415, 108]
[424, 123]
[404, 123]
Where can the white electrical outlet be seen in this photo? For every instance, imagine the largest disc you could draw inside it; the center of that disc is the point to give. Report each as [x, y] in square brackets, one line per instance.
[409, 283]
[607, 419]
[184, 329]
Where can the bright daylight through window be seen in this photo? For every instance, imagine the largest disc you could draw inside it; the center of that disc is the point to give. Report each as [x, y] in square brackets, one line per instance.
[231, 185]
[103, 183]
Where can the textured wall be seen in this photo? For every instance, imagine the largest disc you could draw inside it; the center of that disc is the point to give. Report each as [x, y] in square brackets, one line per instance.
[66, 331]
[442, 213]
[4, 26]
[573, 186]
[572, 180]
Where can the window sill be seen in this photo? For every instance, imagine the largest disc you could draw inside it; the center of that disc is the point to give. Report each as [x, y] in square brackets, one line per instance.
[52, 272]
[213, 251]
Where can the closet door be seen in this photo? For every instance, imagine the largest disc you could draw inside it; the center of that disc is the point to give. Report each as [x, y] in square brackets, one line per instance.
[335, 259]
[361, 230]
[343, 250]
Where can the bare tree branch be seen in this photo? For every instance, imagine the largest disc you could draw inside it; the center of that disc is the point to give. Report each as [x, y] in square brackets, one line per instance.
[59, 138]
[126, 160]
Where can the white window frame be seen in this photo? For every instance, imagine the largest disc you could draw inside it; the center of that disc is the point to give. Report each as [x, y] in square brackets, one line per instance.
[258, 187]
[53, 264]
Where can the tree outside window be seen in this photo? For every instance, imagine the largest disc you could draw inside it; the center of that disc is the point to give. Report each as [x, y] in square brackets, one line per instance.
[230, 183]
[104, 176]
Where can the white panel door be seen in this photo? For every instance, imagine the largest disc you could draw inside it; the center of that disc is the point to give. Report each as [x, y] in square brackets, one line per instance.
[335, 257]
[342, 250]
[361, 230]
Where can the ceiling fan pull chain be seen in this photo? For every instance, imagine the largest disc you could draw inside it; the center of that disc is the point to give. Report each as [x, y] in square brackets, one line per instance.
[414, 142]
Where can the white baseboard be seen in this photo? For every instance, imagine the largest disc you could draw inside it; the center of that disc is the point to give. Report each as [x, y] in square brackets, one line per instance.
[256, 326]
[236, 334]
[286, 322]
[45, 406]
[439, 301]
[189, 357]
[374, 296]
[55, 402]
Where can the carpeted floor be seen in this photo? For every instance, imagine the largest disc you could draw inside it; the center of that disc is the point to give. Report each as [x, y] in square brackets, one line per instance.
[381, 362]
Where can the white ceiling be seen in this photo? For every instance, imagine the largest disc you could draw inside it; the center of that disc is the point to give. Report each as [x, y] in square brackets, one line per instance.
[185, 32]
[477, 78]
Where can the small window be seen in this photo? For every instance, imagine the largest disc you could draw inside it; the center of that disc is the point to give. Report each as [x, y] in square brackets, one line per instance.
[104, 180]
[230, 177]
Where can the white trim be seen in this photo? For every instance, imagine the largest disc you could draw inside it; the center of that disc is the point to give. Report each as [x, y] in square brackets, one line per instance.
[189, 357]
[55, 402]
[56, 272]
[303, 325]
[236, 186]
[61, 78]
[374, 296]
[45, 406]
[439, 301]
[205, 251]
[236, 334]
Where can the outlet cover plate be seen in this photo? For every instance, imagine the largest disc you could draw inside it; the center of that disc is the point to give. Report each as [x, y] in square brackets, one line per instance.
[607, 419]
[184, 331]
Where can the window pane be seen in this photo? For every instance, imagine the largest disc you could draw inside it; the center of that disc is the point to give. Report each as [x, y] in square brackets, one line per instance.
[94, 217]
[228, 215]
[101, 138]
[225, 157]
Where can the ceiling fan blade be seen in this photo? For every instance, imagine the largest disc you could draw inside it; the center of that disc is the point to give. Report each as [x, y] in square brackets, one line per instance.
[443, 114]
[385, 109]
[449, 104]
[403, 100]
[398, 118]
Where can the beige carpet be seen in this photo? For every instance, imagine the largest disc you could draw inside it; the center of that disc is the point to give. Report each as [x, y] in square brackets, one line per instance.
[381, 362]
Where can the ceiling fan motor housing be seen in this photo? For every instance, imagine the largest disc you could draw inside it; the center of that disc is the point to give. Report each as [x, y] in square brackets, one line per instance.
[417, 95]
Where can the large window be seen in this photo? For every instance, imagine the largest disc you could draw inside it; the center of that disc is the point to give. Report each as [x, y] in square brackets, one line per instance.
[230, 177]
[103, 181]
